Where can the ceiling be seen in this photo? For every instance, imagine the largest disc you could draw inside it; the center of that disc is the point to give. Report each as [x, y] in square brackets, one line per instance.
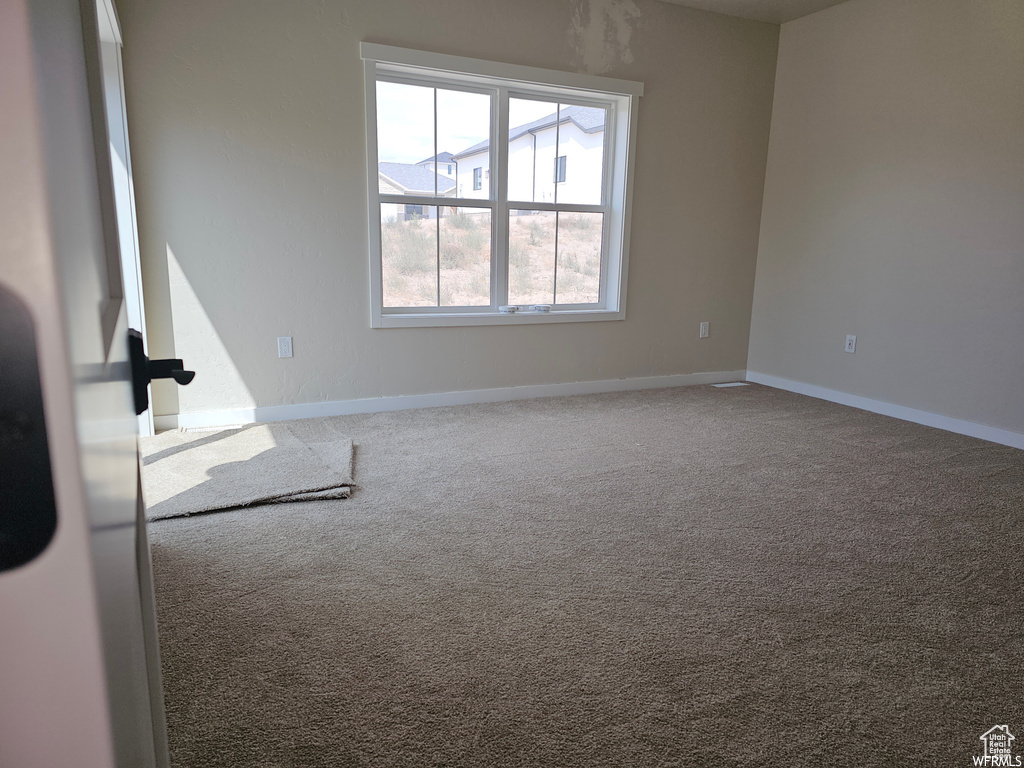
[773, 11]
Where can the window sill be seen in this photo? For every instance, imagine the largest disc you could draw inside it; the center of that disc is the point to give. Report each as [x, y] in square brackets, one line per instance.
[496, 318]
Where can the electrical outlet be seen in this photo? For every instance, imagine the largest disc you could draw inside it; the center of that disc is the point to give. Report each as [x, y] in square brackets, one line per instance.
[705, 329]
[284, 346]
[851, 344]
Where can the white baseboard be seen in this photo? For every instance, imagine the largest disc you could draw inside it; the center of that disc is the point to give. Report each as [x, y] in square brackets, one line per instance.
[969, 428]
[405, 402]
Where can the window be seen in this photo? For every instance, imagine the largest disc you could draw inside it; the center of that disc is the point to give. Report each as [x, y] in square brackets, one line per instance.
[560, 169]
[444, 254]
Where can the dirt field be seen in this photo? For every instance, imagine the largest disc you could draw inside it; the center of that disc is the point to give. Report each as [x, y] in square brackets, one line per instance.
[410, 260]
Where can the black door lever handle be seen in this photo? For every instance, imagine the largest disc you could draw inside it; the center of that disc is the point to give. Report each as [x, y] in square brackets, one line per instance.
[182, 377]
[145, 370]
[170, 369]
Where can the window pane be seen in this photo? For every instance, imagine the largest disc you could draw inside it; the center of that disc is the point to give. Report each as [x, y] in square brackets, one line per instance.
[578, 277]
[580, 164]
[463, 141]
[531, 257]
[555, 152]
[465, 257]
[408, 236]
[405, 138]
[531, 150]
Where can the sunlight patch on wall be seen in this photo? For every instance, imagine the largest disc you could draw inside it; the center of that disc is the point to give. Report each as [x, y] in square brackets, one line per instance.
[218, 384]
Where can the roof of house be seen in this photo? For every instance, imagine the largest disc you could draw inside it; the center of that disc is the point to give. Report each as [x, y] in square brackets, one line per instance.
[587, 119]
[441, 157]
[415, 178]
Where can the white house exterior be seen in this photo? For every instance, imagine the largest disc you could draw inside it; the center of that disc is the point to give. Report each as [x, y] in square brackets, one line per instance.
[531, 160]
[533, 170]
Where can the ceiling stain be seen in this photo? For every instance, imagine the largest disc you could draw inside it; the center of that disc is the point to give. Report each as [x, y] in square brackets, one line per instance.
[600, 34]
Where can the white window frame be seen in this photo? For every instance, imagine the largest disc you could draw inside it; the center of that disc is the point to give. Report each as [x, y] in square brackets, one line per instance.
[620, 97]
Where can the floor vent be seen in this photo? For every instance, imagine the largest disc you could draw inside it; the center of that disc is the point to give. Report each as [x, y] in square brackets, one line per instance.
[731, 384]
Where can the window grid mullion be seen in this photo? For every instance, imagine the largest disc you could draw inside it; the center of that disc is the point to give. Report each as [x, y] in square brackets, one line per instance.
[566, 207]
[437, 210]
[558, 120]
[554, 272]
[461, 202]
[438, 243]
[499, 192]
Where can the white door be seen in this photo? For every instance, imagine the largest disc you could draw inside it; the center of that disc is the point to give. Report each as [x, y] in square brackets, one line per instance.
[121, 175]
[79, 667]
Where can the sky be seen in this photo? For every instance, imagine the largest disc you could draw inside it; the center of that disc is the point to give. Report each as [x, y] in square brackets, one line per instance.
[405, 120]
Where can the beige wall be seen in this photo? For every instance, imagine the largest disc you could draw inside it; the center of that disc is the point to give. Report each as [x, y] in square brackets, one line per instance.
[247, 130]
[894, 207]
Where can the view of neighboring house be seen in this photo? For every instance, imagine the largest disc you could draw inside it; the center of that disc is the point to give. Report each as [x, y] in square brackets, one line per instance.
[533, 173]
[443, 163]
[411, 179]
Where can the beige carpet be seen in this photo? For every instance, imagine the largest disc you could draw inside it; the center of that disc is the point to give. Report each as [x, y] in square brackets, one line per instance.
[184, 473]
[684, 577]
